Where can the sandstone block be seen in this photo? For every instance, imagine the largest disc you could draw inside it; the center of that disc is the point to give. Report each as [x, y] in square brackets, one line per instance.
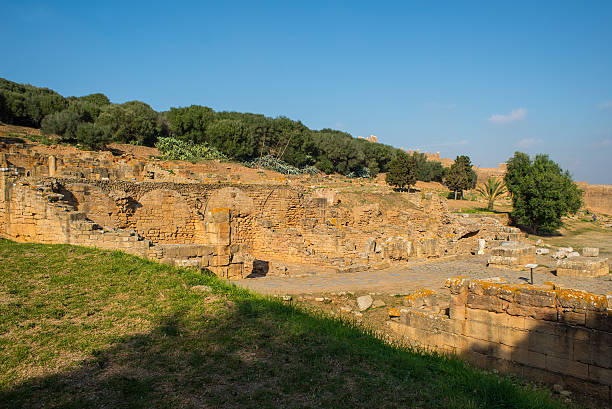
[486, 302]
[602, 375]
[580, 266]
[590, 251]
[567, 366]
[528, 358]
[551, 345]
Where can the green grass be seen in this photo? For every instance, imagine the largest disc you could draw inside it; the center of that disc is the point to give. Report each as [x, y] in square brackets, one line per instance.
[84, 328]
[479, 210]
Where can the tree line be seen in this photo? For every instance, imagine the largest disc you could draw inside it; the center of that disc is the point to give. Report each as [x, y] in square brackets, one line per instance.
[93, 121]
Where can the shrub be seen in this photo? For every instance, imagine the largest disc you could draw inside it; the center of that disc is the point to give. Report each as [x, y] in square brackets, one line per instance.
[92, 136]
[63, 123]
[177, 149]
[273, 163]
[361, 173]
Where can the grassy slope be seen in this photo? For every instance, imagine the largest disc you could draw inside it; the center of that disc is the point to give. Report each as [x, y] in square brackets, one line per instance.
[89, 328]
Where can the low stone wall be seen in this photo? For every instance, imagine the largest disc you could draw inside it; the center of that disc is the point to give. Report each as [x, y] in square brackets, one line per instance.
[580, 266]
[512, 254]
[35, 214]
[551, 335]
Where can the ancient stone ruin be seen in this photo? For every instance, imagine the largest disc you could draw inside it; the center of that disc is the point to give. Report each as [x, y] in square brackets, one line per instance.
[249, 223]
[172, 213]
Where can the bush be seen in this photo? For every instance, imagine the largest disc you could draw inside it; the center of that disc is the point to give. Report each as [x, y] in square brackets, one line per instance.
[361, 173]
[63, 123]
[272, 163]
[132, 122]
[177, 149]
[92, 136]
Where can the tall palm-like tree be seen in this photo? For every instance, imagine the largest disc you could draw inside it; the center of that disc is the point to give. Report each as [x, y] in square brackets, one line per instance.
[491, 190]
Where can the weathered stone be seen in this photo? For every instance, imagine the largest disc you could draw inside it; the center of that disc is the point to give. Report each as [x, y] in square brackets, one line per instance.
[364, 302]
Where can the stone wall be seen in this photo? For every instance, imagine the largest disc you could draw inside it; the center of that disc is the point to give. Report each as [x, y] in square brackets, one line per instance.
[597, 198]
[551, 335]
[34, 213]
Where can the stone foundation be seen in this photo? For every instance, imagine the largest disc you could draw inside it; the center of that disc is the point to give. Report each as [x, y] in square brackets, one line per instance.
[513, 255]
[581, 266]
[554, 336]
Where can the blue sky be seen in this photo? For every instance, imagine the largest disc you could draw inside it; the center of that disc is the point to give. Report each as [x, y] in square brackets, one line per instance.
[459, 77]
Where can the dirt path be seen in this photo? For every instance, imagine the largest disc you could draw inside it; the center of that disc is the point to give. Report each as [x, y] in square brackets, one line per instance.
[403, 280]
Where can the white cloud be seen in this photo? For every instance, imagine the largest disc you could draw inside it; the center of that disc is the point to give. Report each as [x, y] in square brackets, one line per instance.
[515, 115]
[528, 142]
[605, 105]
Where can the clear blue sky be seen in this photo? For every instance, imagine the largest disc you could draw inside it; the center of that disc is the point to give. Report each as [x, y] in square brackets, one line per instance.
[459, 77]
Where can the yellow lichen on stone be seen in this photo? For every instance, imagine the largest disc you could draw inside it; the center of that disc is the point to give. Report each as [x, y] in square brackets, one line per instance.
[456, 281]
[394, 313]
[419, 293]
[595, 300]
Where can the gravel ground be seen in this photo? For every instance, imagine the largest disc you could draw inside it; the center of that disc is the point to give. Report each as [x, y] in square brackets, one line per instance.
[404, 279]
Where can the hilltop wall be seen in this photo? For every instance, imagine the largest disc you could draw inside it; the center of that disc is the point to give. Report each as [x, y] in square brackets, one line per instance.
[597, 198]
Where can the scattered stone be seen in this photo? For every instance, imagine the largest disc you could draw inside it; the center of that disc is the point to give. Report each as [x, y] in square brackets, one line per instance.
[364, 302]
[573, 254]
[201, 288]
[565, 393]
[562, 252]
[557, 388]
[319, 299]
[357, 314]
[541, 251]
[378, 304]
[590, 251]
[345, 309]
[539, 242]
[287, 298]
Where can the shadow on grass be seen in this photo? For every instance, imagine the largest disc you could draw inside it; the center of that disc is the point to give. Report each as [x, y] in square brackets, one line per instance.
[264, 354]
[223, 347]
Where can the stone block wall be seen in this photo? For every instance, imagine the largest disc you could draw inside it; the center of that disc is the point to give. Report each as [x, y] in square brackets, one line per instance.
[512, 254]
[550, 335]
[583, 267]
[36, 214]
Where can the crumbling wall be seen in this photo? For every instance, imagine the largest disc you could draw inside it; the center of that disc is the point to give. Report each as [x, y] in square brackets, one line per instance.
[34, 213]
[551, 335]
[597, 198]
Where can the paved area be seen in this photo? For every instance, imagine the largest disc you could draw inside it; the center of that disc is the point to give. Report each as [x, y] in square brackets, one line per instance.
[413, 276]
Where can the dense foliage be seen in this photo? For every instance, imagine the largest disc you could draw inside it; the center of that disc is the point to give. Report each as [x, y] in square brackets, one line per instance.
[273, 163]
[542, 193]
[461, 176]
[240, 136]
[402, 171]
[178, 149]
[428, 171]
